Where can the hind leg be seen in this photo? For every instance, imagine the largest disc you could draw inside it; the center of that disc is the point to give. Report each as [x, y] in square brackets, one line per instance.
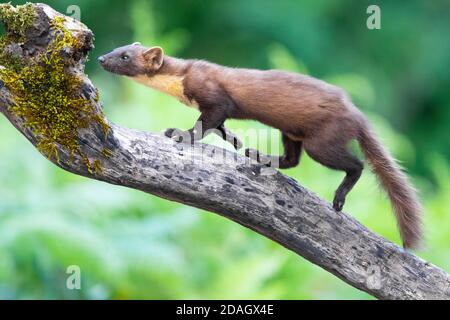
[289, 159]
[335, 155]
[292, 153]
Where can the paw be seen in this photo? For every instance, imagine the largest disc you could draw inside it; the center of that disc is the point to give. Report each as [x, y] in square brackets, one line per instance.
[176, 135]
[252, 154]
[169, 132]
[262, 159]
[338, 203]
[237, 144]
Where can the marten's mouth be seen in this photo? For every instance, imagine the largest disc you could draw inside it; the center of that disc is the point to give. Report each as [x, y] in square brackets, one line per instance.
[104, 64]
[111, 67]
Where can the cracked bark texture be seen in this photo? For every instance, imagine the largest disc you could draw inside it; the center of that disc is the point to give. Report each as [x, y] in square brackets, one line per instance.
[223, 182]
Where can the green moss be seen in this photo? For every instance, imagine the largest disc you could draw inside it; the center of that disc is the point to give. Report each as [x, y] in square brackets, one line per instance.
[17, 19]
[93, 166]
[46, 96]
[107, 153]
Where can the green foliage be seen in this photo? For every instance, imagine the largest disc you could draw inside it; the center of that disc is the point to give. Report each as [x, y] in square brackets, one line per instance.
[281, 58]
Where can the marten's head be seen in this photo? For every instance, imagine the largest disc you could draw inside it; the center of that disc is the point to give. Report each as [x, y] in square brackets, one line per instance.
[133, 60]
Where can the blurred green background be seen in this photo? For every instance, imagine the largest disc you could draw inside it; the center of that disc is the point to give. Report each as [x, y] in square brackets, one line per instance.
[132, 245]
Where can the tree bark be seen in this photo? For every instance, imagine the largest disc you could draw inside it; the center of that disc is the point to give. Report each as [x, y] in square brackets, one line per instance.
[225, 183]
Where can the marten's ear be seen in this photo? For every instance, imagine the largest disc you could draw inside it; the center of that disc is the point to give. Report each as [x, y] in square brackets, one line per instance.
[154, 57]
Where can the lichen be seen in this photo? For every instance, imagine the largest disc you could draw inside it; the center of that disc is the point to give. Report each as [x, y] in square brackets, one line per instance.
[46, 95]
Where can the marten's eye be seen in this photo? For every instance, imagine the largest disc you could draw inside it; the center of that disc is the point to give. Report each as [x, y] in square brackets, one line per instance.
[125, 57]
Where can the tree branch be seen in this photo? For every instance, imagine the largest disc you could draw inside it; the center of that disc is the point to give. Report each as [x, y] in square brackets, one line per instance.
[272, 205]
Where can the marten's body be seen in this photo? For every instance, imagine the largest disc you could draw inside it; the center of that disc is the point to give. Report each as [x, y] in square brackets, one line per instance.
[311, 114]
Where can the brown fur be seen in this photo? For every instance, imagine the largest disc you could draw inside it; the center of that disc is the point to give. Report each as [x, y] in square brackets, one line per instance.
[311, 114]
[403, 196]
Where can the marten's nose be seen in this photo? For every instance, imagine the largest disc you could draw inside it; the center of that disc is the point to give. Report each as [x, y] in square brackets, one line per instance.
[101, 59]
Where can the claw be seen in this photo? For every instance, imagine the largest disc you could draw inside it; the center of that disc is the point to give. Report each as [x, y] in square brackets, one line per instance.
[169, 132]
[262, 159]
[338, 204]
[177, 138]
[251, 153]
[237, 144]
[177, 135]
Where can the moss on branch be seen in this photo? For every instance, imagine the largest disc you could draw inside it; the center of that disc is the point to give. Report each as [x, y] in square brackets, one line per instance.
[46, 94]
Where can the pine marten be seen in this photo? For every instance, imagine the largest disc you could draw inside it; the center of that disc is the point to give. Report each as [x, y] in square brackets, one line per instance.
[311, 115]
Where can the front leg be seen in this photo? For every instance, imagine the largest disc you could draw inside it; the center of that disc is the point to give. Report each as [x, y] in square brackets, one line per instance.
[210, 118]
[179, 135]
[289, 159]
[229, 136]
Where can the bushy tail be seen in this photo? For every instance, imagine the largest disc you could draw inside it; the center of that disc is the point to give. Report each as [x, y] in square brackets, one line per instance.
[402, 195]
